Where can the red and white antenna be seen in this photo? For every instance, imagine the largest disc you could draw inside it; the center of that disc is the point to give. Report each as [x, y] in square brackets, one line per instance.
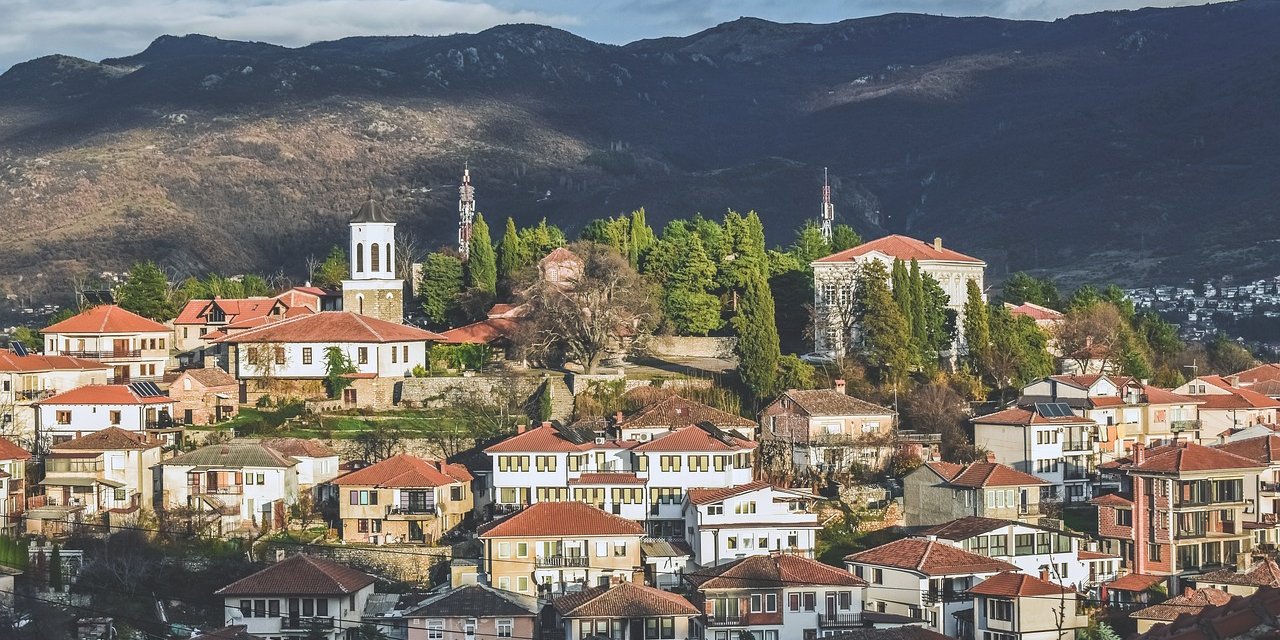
[466, 212]
[828, 210]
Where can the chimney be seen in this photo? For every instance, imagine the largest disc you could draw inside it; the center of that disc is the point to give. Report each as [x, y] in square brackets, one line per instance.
[617, 417]
[1233, 380]
[937, 244]
[520, 429]
[1243, 560]
[840, 385]
[1044, 574]
[1138, 453]
[546, 424]
[991, 457]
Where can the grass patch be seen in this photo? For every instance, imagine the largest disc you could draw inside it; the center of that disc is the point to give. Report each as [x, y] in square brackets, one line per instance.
[288, 422]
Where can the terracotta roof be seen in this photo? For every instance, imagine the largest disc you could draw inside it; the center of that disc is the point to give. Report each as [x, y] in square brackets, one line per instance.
[1189, 456]
[607, 478]
[623, 600]
[233, 632]
[544, 438]
[1263, 449]
[1252, 616]
[1269, 388]
[210, 377]
[405, 471]
[992, 474]
[1111, 500]
[711, 496]
[928, 557]
[1134, 582]
[829, 402]
[947, 470]
[1081, 381]
[1263, 574]
[107, 318]
[1021, 416]
[1260, 373]
[475, 601]
[903, 248]
[965, 528]
[664, 548]
[231, 455]
[333, 326]
[196, 311]
[772, 571]
[300, 447]
[1155, 395]
[1033, 311]
[561, 519]
[1086, 555]
[695, 438]
[300, 575]
[1191, 603]
[11, 362]
[11, 451]
[486, 331]
[109, 439]
[103, 394]
[1017, 585]
[677, 411]
[1235, 398]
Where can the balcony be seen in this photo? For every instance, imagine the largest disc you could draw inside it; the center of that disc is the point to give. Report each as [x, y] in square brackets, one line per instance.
[840, 619]
[723, 621]
[1085, 444]
[1269, 487]
[114, 354]
[554, 562]
[130, 379]
[934, 597]
[306, 622]
[1180, 426]
[1029, 509]
[33, 394]
[230, 490]
[412, 510]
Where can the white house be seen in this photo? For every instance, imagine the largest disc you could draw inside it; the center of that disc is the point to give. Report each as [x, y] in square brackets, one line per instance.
[834, 277]
[624, 610]
[757, 518]
[923, 579]
[1048, 441]
[779, 596]
[1225, 407]
[136, 348]
[13, 484]
[102, 470]
[317, 461]
[27, 378]
[248, 485]
[301, 596]
[1017, 606]
[132, 407]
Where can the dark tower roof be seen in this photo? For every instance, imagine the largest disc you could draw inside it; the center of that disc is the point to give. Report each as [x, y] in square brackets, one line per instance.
[371, 211]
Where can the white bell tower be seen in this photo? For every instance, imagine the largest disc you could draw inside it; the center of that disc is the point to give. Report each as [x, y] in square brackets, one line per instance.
[373, 288]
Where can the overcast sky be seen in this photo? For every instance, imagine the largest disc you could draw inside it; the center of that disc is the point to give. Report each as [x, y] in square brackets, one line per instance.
[97, 29]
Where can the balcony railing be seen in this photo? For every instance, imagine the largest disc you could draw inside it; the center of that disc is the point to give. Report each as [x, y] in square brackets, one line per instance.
[840, 619]
[1269, 487]
[1179, 426]
[230, 490]
[129, 379]
[560, 561]
[934, 597]
[412, 510]
[34, 394]
[723, 621]
[306, 622]
[1029, 509]
[104, 355]
[1078, 445]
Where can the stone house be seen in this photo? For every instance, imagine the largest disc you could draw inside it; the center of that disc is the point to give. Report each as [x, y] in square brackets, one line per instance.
[939, 492]
[827, 430]
[204, 396]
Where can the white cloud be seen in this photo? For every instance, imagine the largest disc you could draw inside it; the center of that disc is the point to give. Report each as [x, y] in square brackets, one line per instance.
[96, 29]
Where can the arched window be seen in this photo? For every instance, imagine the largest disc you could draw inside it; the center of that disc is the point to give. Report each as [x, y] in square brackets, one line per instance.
[373, 257]
[389, 261]
[359, 257]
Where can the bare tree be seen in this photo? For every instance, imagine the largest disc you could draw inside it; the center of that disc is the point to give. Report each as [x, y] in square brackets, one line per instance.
[312, 263]
[835, 309]
[1090, 333]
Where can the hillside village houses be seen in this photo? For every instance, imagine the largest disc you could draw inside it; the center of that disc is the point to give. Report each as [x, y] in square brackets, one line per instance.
[403, 499]
[753, 519]
[27, 378]
[136, 348]
[202, 320]
[828, 429]
[1223, 406]
[13, 484]
[1025, 607]
[300, 596]
[239, 485]
[103, 471]
[1047, 441]
[133, 407]
[939, 492]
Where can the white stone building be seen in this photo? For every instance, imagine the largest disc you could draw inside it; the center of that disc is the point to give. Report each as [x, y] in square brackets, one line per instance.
[248, 485]
[136, 348]
[722, 525]
[1046, 440]
[90, 408]
[24, 379]
[302, 596]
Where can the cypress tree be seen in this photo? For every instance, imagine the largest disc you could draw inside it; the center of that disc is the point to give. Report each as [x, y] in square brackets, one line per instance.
[441, 283]
[903, 289]
[758, 348]
[918, 317]
[641, 238]
[482, 267]
[844, 237]
[510, 253]
[886, 331]
[977, 327]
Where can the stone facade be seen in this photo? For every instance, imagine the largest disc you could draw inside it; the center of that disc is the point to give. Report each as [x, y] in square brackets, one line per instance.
[691, 346]
[384, 303]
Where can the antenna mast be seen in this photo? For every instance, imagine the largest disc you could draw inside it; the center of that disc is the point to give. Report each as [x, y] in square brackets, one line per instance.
[828, 210]
[466, 212]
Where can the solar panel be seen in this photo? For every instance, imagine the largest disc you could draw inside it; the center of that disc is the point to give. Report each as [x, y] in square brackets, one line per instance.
[1064, 410]
[18, 348]
[146, 389]
[152, 389]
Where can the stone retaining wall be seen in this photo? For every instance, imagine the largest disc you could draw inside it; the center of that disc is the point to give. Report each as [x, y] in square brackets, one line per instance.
[439, 392]
[405, 563]
[692, 347]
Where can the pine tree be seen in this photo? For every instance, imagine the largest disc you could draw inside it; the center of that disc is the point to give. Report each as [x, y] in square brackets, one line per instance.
[758, 348]
[55, 568]
[482, 267]
[146, 292]
[809, 245]
[686, 300]
[441, 283]
[844, 237]
[977, 327]
[511, 253]
[331, 272]
[886, 333]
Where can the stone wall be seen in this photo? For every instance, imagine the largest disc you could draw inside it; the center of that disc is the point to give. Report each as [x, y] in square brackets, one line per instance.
[691, 347]
[438, 392]
[405, 563]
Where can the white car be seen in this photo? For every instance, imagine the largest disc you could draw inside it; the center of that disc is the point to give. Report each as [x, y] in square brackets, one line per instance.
[819, 357]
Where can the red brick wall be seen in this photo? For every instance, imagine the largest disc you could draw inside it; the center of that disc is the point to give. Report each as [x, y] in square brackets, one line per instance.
[1107, 526]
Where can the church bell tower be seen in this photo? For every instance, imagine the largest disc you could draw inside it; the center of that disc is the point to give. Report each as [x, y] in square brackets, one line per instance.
[373, 288]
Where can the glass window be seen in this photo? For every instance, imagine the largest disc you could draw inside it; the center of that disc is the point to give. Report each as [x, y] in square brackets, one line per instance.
[505, 625]
[435, 628]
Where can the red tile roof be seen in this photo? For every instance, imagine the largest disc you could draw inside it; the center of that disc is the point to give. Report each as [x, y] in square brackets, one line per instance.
[947, 470]
[607, 478]
[1034, 311]
[928, 557]
[485, 331]
[1111, 500]
[1236, 398]
[562, 519]
[1021, 416]
[333, 326]
[965, 528]
[209, 377]
[109, 439]
[1086, 555]
[678, 411]
[1191, 603]
[107, 318]
[11, 362]
[711, 496]
[830, 402]
[903, 248]
[991, 474]
[1189, 456]
[1262, 372]
[1155, 395]
[1263, 574]
[1017, 585]
[11, 451]
[405, 471]
[1253, 616]
[695, 438]
[544, 438]
[1134, 582]
[1263, 449]
[623, 600]
[300, 575]
[772, 571]
[103, 394]
[300, 447]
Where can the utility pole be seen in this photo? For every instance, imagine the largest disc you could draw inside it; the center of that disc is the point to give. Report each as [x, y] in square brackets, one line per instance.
[828, 210]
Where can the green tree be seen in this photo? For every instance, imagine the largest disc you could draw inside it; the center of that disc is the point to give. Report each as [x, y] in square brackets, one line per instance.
[543, 406]
[977, 327]
[336, 366]
[809, 244]
[886, 333]
[686, 301]
[539, 240]
[30, 338]
[1227, 357]
[482, 266]
[641, 238]
[844, 237]
[1022, 287]
[441, 284]
[1084, 297]
[253, 285]
[938, 319]
[746, 256]
[794, 373]
[919, 328]
[1019, 350]
[146, 292]
[758, 348]
[511, 253]
[330, 273]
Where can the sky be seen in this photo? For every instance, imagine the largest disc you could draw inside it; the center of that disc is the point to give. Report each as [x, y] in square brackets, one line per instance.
[97, 29]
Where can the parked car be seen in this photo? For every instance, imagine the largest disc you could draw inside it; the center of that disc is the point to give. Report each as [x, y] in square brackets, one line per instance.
[819, 357]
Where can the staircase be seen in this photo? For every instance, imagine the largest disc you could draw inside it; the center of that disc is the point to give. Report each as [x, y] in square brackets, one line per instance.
[561, 399]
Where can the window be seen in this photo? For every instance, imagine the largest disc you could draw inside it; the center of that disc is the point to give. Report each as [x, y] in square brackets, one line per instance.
[273, 608]
[715, 510]
[121, 495]
[404, 351]
[793, 540]
[113, 417]
[362, 526]
[731, 543]
[770, 602]
[546, 463]
[63, 417]
[522, 583]
[246, 609]
[810, 600]
[393, 355]
[522, 549]
[306, 355]
[602, 549]
[504, 583]
[1000, 610]
[373, 257]
[435, 628]
[504, 549]
[745, 507]
[620, 549]
[669, 463]
[757, 602]
[793, 602]
[279, 354]
[505, 626]
[1024, 544]
[1124, 517]
[362, 355]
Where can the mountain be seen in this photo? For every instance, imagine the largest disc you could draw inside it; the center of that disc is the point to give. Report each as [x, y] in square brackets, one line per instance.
[1131, 146]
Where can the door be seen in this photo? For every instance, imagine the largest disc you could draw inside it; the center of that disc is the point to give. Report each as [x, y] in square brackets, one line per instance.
[415, 531]
[187, 416]
[121, 375]
[349, 396]
[637, 629]
[831, 605]
[120, 347]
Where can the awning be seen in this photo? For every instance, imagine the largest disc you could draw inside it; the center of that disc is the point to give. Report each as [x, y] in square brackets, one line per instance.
[73, 481]
[224, 396]
[111, 483]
